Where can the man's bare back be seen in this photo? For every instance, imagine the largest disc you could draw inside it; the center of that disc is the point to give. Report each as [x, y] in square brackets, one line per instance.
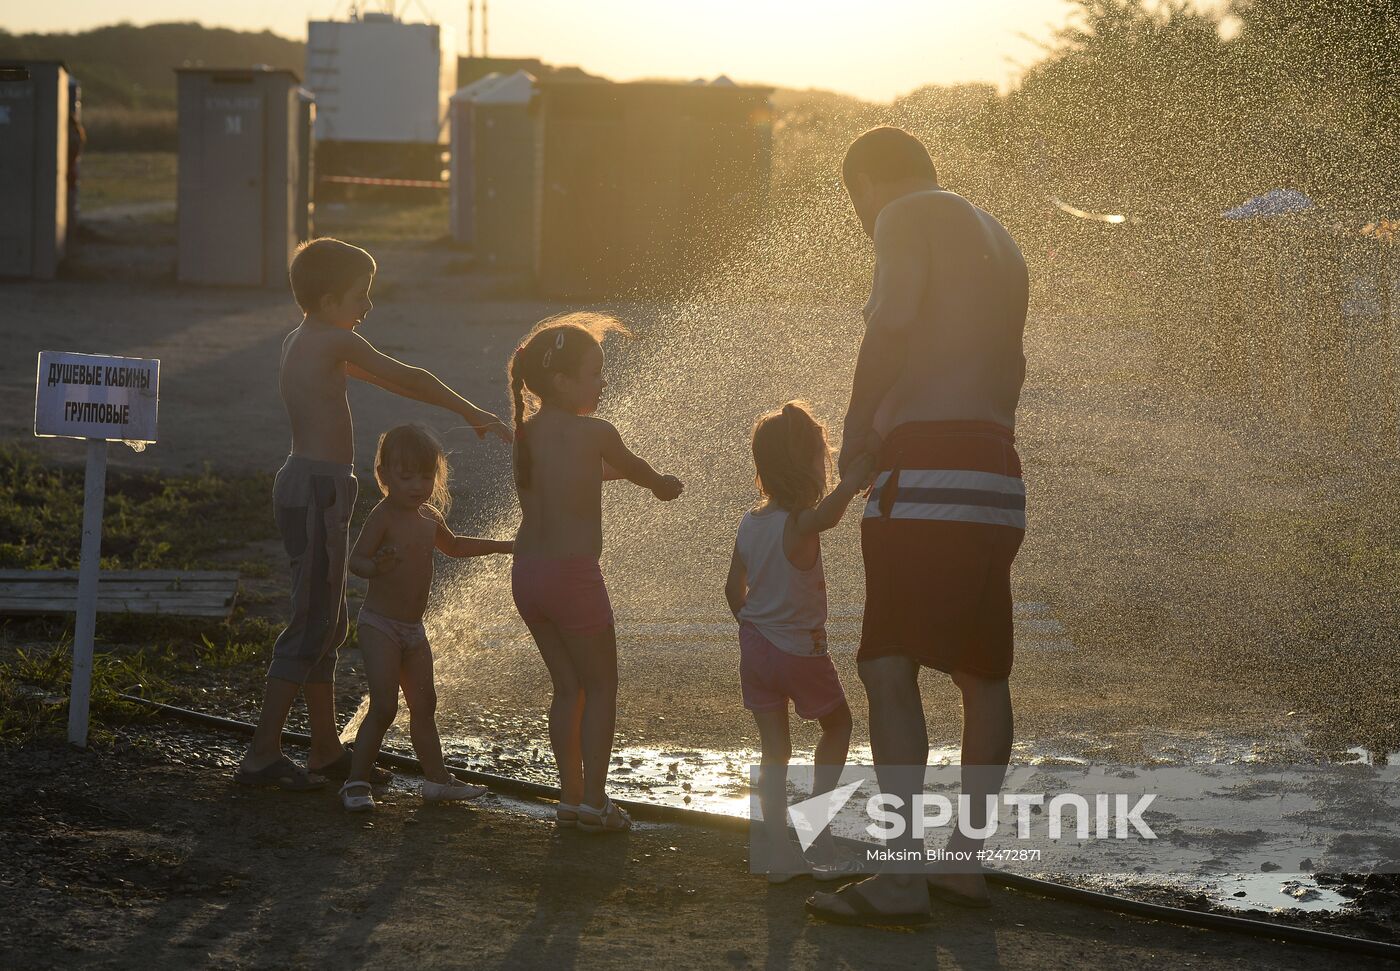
[952, 280]
[312, 385]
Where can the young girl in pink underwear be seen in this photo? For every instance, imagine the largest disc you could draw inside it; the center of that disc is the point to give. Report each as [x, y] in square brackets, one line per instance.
[395, 553]
[777, 592]
[562, 456]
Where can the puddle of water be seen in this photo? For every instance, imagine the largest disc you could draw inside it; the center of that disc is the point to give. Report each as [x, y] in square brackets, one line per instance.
[1272, 891]
[1366, 756]
[717, 781]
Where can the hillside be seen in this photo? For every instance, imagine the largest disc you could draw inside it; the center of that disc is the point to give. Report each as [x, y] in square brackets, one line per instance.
[125, 66]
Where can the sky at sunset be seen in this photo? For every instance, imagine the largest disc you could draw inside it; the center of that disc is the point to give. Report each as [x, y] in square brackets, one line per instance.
[876, 49]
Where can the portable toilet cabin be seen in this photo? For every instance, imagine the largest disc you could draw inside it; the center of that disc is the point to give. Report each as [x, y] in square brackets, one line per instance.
[239, 168]
[33, 167]
[503, 146]
[644, 185]
[305, 203]
[461, 167]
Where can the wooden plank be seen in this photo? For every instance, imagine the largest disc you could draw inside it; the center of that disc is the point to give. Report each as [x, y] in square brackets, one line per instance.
[109, 592]
[158, 603]
[212, 598]
[190, 593]
[133, 589]
[107, 607]
[42, 575]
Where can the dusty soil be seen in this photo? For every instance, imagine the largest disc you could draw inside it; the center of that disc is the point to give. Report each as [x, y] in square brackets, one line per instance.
[148, 856]
[1221, 584]
[1251, 577]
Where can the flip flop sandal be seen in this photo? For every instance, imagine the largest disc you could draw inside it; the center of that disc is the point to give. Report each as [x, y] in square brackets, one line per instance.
[958, 899]
[340, 769]
[831, 872]
[357, 804]
[284, 774]
[864, 913]
[566, 815]
[612, 818]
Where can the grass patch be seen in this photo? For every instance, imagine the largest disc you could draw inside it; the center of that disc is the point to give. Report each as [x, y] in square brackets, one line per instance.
[379, 222]
[257, 569]
[169, 659]
[150, 521]
[34, 692]
[122, 178]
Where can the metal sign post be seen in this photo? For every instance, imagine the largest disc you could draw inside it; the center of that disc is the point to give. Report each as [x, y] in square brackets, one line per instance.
[85, 623]
[99, 399]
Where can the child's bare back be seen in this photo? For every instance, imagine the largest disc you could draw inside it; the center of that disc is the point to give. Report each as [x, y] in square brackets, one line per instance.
[562, 510]
[312, 385]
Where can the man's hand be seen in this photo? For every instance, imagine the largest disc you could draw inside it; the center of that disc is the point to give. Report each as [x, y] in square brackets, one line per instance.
[669, 488]
[852, 447]
[860, 470]
[847, 456]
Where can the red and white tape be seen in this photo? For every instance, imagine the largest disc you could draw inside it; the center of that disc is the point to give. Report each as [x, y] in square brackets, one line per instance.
[404, 183]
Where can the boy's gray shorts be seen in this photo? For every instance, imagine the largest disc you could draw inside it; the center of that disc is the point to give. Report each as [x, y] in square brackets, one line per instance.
[312, 501]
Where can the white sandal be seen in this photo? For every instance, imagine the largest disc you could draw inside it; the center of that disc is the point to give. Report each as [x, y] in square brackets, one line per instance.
[612, 818]
[566, 815]
[357, 804]
[454, 791]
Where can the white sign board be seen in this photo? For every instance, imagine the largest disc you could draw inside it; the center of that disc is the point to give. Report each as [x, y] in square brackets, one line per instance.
[95, 396]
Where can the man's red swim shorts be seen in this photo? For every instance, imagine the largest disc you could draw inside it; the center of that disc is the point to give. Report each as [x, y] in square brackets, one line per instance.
[943, 523]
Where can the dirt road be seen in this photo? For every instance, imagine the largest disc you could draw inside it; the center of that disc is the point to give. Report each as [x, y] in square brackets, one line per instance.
[149, 857]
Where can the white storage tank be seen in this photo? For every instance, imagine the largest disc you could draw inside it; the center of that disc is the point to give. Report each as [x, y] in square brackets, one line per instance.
[380, 85]
[33, 167]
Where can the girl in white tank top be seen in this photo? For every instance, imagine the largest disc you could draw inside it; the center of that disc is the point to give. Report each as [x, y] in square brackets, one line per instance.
[777, 591]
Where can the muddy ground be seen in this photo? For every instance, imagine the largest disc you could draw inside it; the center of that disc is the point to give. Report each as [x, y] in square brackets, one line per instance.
[1219, 584]
[1158, 514]
[146, 855]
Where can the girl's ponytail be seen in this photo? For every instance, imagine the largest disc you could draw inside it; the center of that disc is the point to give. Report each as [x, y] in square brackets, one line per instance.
[555, 345]
[517, 392]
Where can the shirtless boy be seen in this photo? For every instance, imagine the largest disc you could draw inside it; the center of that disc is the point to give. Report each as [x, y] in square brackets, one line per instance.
[936, 387]
[314, 495]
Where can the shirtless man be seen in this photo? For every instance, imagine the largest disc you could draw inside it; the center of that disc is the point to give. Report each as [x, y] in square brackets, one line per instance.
[314, 495]
[936, 387]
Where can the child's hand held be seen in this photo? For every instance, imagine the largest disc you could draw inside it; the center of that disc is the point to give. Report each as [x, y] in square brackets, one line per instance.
[484, 422]
[669, 488]
[386, 558]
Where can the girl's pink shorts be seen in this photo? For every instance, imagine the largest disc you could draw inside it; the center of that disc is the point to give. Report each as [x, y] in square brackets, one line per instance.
[769, 676]
[568, 593]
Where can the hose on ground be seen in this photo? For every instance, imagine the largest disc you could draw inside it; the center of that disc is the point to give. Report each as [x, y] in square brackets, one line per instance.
[654, 812]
